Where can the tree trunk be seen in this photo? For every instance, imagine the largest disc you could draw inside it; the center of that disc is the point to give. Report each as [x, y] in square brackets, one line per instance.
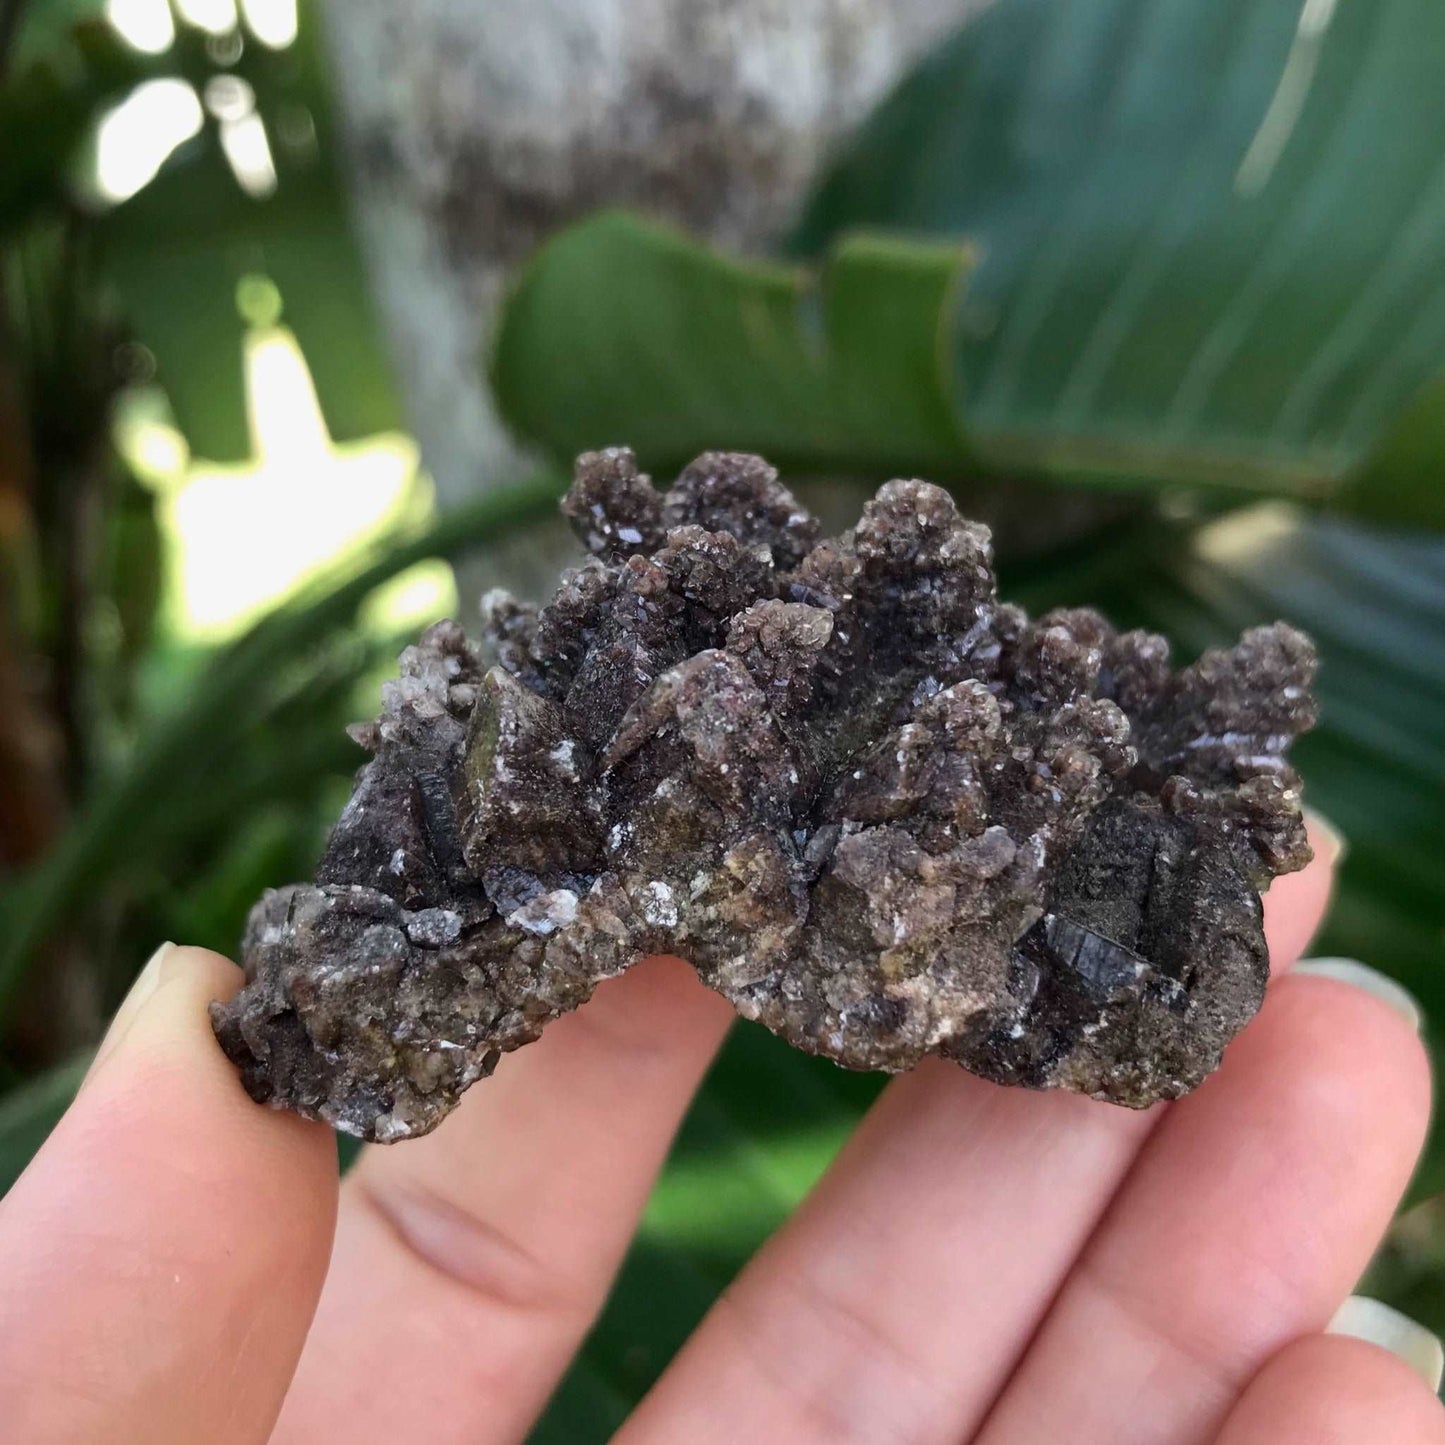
[473, 128]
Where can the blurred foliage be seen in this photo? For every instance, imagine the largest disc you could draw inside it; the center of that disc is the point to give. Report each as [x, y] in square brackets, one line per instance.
[1161, 275]
[1181, 250]
[49, 108]
[172, 256]
[844, 372]
[260, 733]
[109, 283]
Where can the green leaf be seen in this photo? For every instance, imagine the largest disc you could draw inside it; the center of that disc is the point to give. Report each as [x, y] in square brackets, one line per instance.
[47, 24]
[1405, 464]
[185, 313]
[46, 110]
[688, 349]
[1209, 234]
[1205, 241]
[326, 302]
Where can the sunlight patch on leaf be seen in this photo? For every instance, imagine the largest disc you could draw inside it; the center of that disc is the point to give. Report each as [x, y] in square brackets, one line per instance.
[233, 558]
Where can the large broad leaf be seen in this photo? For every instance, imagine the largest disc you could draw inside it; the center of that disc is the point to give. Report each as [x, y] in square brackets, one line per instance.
[1209, 232]
[623, 330]
[1206, 240]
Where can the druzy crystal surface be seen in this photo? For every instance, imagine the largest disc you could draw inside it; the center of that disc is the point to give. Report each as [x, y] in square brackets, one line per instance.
[882, 812]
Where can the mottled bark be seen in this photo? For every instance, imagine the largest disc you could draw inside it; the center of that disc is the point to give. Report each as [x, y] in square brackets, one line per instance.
[474, 129]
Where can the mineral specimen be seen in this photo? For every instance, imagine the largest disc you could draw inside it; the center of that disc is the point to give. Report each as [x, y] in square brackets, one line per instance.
[883, 813]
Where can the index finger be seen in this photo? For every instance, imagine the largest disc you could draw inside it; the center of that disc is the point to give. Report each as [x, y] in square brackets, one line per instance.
[161, 1258]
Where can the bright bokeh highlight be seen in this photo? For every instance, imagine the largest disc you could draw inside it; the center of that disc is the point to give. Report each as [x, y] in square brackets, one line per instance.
[218, 17]
[134, 140]
[272, 22]
[145, 24]
[244, 538]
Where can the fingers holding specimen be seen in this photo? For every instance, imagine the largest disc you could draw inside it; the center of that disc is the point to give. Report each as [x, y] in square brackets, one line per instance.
[161, 1258]
[1246, 1221]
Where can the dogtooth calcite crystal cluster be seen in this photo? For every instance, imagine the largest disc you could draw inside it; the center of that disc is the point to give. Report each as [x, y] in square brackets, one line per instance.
[882, 812]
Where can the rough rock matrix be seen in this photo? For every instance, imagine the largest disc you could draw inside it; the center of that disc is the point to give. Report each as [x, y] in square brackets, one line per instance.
[883, 813]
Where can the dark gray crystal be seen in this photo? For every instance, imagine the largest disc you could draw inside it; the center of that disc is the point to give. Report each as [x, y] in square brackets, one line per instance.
[881, 812]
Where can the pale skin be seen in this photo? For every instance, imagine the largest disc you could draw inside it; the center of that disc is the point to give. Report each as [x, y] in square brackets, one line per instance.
[979, 1264]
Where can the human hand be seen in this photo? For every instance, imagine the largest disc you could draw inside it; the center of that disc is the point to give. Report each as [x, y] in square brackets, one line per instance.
[979, 1264]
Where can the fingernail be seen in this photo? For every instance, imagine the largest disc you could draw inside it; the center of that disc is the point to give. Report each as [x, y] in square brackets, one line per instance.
[147, 982]
[1367, 1319]
[1371, 980]
[1327, 838]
